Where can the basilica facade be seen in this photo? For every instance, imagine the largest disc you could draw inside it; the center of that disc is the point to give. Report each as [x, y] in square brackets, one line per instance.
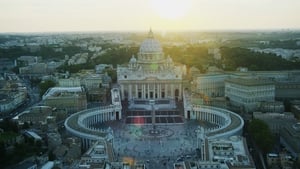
[151, 75]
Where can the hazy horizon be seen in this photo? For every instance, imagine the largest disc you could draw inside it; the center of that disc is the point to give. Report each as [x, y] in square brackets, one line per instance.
[41, 16]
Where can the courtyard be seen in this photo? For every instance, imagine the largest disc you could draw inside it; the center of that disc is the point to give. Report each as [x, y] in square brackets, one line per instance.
[157, 147]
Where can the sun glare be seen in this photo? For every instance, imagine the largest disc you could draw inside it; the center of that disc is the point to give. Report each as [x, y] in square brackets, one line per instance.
[170, 9]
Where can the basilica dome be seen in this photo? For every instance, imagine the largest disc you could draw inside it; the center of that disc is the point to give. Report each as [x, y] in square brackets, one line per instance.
[150, 45]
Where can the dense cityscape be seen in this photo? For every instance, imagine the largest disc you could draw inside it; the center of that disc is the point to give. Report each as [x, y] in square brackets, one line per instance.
[152, 100]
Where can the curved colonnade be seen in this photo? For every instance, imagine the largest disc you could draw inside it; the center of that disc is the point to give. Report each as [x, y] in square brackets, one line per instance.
[226, 123]
[81, 123]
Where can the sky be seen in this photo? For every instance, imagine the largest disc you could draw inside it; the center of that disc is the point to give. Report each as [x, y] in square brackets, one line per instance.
[140, 15]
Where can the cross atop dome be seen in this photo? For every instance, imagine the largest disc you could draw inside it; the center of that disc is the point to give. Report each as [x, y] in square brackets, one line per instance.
[150, 34]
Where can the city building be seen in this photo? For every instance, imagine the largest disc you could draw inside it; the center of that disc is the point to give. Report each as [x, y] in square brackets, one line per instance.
[35, 115]
[271, 106]
[69, 82]
[87, 78]
[28, 60]
[33, 135]
[74, 151]
[247, 94]
[295, 108]
[275, 121]
[287, 90]
[211, 84]
[95, 84]
[26, 165]
[151, 75]
[54, 140]
[99, 68]
[67, 150]
[286, 126]
[225, 153]
[281, 160]
[11, 100]
[48, 165]
[290, 138]
[97, 155]
[286, 82]
[34, 70]
[71, 99]
[232, 151]
[12, 94]
[6, 64]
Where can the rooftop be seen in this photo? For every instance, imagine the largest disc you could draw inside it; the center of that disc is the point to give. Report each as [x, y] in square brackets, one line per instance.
[249, 82]
[54, 91]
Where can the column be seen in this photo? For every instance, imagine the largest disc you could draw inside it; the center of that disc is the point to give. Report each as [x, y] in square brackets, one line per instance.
[153, 85]
[143, 91]
[159, 90]
[148, 90]
[166, 89]
[130, 92]
[122, 92]
[172, 90]
[180, 92]
[136, 91]
[214, 118]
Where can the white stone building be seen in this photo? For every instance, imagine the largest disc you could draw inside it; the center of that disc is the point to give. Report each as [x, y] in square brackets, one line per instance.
[71, 99]
[11, 100]
[248, 93]
[151, 75]
[211, 84]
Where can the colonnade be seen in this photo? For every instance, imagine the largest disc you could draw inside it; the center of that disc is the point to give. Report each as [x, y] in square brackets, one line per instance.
[150, 90]
[227, 123]
[98, 118]
[86, 143]
[80, 123]
[216, 116]
[210, 117]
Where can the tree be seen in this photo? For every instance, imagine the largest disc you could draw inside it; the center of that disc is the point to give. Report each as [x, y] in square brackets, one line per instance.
[3, 151]
[9, 125]
[261, 134]
[25, 125]
[112, 73]
[45, 85]
[51, 156]
[242, 57]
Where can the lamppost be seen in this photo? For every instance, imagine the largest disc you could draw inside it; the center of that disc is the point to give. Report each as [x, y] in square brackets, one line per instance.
[200, 132]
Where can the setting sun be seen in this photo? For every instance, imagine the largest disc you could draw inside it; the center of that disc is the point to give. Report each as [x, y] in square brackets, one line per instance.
[170, 9]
